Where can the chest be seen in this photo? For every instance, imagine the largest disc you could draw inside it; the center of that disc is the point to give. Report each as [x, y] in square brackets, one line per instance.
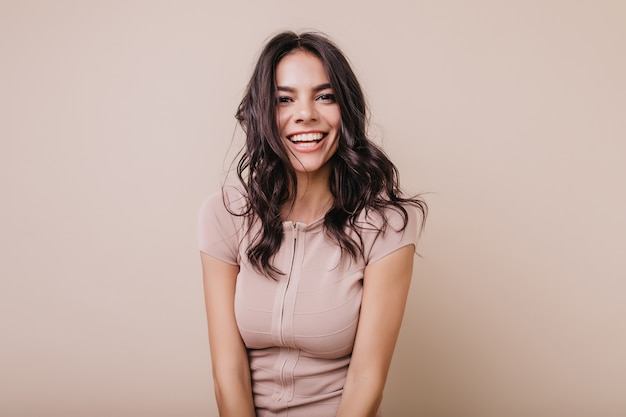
[314, 306]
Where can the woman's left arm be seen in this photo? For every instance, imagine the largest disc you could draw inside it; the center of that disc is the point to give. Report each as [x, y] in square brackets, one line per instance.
[385, 289]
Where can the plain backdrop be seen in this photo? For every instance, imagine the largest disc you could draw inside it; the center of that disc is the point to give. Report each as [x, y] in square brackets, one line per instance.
[116, 121]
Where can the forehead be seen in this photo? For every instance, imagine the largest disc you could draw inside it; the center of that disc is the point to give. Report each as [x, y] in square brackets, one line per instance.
[300, 68]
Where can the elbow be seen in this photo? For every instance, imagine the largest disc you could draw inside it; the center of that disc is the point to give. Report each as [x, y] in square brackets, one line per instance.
[233, 392]
[225, 379]
[371, 383]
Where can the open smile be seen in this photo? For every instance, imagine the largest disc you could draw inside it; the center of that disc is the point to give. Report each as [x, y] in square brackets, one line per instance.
[306, 139]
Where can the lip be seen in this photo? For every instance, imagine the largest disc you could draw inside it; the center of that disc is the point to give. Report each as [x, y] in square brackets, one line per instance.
[306, 147]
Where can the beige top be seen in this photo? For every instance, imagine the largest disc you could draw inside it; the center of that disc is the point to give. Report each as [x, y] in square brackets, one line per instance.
[299, 329]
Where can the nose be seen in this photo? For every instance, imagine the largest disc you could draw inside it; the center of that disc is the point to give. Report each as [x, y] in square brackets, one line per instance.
[305, 111]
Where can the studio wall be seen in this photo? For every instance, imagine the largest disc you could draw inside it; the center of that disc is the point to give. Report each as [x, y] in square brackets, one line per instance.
[117, 120]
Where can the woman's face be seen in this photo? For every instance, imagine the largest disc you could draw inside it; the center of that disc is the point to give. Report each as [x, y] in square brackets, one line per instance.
[308, 117]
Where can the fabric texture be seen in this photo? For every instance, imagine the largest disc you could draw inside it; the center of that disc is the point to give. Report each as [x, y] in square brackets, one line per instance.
[299, 329]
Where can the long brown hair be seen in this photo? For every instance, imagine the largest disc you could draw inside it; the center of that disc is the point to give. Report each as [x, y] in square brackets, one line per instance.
[362, 176]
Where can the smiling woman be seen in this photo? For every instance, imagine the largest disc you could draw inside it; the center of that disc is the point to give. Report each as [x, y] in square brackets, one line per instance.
[306, 265]
[308, 116]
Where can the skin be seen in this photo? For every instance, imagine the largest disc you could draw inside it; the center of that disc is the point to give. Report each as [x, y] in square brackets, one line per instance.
[306, 104]
[231, 370]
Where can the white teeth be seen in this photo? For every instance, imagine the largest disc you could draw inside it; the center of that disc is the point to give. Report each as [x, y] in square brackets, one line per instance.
[304, 145]
[306, 137]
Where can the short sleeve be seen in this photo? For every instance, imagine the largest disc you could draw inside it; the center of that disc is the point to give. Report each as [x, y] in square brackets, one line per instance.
[394, 236]
[218, 230]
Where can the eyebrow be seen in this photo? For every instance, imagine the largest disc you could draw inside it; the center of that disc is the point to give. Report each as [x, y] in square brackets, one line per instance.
[315, 89]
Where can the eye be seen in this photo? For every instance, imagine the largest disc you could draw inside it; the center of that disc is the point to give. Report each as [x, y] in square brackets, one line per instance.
[283, 99]
[328, 97]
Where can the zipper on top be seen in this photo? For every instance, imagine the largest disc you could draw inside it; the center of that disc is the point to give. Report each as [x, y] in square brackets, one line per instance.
[284, 295]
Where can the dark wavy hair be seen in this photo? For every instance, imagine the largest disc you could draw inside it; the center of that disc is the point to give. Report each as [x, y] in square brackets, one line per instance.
[362, 176]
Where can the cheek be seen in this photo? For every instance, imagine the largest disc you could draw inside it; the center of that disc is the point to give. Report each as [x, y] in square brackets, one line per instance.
[279, 124]
[280, 119]
[334, 118]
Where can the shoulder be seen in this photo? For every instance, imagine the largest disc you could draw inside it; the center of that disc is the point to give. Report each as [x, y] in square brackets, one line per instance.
[220, 224]
[389, 229]
[227, 202]
[390, 218]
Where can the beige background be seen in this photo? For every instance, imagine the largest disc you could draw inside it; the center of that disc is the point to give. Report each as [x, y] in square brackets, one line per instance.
[116, 121]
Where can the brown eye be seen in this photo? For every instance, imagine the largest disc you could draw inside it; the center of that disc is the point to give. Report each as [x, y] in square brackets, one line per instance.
[327, 97]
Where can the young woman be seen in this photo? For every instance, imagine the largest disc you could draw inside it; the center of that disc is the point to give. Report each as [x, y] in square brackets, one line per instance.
[307, 264]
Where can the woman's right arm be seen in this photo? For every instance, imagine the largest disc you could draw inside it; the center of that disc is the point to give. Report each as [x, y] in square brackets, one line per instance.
[231, 370]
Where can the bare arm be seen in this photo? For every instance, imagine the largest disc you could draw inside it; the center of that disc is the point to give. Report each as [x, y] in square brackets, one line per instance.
[231, 371]
[385, 289]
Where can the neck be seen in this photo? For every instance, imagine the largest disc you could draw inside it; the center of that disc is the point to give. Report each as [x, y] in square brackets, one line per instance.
[313, 200]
